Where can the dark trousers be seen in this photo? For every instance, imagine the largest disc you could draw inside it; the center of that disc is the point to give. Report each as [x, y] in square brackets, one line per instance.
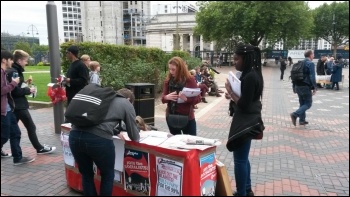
[242, 168]
[190, 129]
[335, 84]
[28, 123]
[305, 101]
[282, 73]
[87, 149]
[10, 130]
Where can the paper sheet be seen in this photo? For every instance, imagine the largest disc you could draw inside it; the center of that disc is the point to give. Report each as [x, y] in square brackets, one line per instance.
[235, 83]
[189, 92]
[119, 154]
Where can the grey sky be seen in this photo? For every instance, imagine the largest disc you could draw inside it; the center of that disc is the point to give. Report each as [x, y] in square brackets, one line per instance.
[18, 16]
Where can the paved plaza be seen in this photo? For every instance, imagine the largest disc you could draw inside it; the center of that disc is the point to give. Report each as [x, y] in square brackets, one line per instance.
[289, 161]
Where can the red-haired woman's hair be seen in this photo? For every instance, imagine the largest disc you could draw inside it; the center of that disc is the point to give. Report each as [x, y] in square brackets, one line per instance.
[181, 73]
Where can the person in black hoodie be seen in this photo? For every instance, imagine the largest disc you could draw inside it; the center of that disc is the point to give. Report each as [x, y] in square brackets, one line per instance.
[77, 74]
[21, 103]
[246, 123]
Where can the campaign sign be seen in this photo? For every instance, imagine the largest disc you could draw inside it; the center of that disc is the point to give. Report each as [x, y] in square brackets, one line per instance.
[169, 177]
[208, 174]
[136, 171]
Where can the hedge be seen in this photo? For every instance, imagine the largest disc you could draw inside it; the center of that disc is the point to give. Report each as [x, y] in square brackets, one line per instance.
[121, 64]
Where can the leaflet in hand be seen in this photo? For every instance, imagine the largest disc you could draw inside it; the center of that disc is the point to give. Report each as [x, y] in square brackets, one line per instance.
[189, 92]
[235, 82]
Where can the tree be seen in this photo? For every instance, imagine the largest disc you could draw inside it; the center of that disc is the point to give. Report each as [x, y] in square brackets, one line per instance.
[25, 46]
[2, 47]
[324, 28]
[252, 21]
[40, 48]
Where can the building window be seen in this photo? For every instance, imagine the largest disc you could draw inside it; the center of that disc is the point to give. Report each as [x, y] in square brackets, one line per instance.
[165, 11]
[135, 2]
[100, 3]
[101, 13]
[135, 10]
[101, 23]
[130, 2]
[101, 33]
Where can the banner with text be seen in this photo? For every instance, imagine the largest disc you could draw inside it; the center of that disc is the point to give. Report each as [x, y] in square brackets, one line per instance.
[136, 173]
[296, 54]
[169, 177]
[208, 174]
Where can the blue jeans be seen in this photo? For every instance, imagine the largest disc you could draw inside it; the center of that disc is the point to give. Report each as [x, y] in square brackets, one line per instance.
[305, 101]
[190, 129]
[88, 148]
[242, 168]
[10, 130]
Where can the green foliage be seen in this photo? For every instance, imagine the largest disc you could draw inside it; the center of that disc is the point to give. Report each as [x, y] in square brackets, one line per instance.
[193, 62]
[40, 64]
[25, 46]
[121, 64]
[40, 48]
[2, 47]
[323, 17]
[251, 21]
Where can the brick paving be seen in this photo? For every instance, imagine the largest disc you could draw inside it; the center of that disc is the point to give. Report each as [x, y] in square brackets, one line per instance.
[289, 161]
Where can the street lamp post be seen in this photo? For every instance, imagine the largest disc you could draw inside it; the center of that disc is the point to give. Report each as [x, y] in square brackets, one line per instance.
[32, 28]
[334, 47]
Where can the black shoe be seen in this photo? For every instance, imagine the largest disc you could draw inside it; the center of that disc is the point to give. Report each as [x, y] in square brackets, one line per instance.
[303, 123]
[248, 193]
[294, 119]
[23, 161]
[46, 149]
[204, 101]
[3, 154]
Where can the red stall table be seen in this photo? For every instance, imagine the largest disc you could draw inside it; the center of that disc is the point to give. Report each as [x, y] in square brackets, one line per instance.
[158, 165]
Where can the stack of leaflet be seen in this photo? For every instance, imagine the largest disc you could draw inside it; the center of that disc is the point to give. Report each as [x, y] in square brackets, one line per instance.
[189, 92]
[235, 82]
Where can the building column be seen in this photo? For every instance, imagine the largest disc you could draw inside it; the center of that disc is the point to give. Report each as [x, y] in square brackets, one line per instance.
[201, 43]
[212, 46]
[181, 41]
[191, 43]
[201, 47]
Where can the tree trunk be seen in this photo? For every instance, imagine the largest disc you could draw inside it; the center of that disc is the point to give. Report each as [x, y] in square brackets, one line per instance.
[335, 50]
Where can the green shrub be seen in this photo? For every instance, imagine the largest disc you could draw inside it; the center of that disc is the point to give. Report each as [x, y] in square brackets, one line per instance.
[121, 64]
[40, 64]
[193, 62]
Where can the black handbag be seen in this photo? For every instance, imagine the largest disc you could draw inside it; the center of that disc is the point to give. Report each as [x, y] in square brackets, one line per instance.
[174, 120]
[177, 121]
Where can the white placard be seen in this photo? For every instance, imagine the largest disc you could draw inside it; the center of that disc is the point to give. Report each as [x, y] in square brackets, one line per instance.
[119, 154]
[67, 153]
[169, 177]
[296, 54]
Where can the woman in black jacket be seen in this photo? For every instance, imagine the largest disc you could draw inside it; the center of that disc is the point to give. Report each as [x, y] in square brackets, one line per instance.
[247, 123]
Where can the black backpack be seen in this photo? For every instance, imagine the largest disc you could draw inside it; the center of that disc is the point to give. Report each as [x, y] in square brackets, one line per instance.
[297, 72]
[90, 105]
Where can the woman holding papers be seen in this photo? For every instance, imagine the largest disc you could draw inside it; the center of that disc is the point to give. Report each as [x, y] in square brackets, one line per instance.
[179, 113]
[246, 123]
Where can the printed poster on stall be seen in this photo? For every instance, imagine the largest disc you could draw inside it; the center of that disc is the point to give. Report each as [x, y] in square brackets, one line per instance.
[136, 171]
[67, 153]
[208, 174]
[169, 177]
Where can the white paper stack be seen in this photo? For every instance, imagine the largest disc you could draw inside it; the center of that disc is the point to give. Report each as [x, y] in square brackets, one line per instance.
[189, 92]
[235, 82]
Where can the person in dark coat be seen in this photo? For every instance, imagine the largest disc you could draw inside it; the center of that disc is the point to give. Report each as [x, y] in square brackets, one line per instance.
[320, 68]
[247, 122]
[336, 74]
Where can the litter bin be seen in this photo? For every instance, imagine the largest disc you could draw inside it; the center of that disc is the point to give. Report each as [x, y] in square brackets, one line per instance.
[144, 100]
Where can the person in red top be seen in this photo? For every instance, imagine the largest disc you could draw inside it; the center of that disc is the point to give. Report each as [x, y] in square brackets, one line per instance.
[178, 78]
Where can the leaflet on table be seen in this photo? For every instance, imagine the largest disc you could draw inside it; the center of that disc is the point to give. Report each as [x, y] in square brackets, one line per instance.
[189, 92]
[180, 142]
[235, 82]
